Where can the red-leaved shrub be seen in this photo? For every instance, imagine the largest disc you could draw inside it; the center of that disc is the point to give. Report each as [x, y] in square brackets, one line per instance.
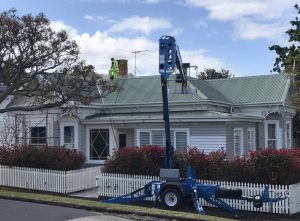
[217, 165]
[193, 157]
[135, 160]
[239, 169]
[263, 166]
[272, 166]
[56, 158]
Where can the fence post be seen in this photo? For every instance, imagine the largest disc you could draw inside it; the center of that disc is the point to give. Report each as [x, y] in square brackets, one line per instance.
[294, 198]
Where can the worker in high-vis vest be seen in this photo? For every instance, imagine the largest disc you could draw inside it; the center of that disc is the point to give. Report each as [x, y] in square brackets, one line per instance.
[114, 69]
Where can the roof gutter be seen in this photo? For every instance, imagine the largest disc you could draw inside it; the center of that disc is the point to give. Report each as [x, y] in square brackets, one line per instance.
[160, 120]
[177, 103]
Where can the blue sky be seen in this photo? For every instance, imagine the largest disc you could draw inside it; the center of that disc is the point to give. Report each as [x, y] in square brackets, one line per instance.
[229, 34]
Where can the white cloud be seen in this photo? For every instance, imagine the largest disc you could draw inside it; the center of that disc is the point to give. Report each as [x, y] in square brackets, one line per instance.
[201, 59]
[88, 17]
[235, 9]
[246, 29]
[60, 25]
[99, 19]
[251, 16]
[98, 48]
[141, 24]
[152, 1]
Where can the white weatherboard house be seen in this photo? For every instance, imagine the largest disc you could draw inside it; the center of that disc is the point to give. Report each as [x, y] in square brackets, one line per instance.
[238, 114]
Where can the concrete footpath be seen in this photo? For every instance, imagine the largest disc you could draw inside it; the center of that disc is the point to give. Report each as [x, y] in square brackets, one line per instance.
[90, 193]
[101, 217]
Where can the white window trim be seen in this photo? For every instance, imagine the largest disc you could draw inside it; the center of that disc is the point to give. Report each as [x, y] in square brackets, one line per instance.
[249, 129]
[276, 122]
[242, 142]
[112, 143]
[290, 137]
[138, 131]
[62, 137]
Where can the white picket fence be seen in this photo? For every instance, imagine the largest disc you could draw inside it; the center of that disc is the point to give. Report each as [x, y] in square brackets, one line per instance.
[48, 180]
[112, 185]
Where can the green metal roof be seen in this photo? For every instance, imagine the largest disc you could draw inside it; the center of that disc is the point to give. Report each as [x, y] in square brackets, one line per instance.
[240, 90]
[210, 92]
[147, 89]
[252, 90]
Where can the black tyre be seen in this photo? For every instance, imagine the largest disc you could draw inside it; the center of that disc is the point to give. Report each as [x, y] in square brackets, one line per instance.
[171, 198]
[257, 201]
[228, 193]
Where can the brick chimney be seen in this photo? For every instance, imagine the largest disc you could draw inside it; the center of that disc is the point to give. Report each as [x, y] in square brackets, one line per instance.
[123, 68]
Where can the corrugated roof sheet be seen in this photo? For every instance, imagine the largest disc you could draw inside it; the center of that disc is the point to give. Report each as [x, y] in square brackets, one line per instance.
[146, 89]
[250, 90]
[239, 90]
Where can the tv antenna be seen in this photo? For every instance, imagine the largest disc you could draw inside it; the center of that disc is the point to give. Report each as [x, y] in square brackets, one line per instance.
[136, 52]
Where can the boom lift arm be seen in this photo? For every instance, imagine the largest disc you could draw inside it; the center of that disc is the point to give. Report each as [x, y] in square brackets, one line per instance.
[169, 58]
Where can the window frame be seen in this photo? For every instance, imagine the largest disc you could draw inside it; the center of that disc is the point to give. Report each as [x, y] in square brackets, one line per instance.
[251, 129]
[111, 144]
[276, 123]
[241, 142]
[62, 135]
[286, 134]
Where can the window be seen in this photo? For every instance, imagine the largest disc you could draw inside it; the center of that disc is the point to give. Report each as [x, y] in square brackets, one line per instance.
[179, 138]
[69, 135]
[99, 144]
[271, 133]
[251, 141]
[38, 135]
[122, 140]
[158, 138]
[288, 137]
[238, 142]
[144, 138]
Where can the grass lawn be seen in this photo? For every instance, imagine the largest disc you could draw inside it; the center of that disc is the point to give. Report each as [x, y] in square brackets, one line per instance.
[103, 207]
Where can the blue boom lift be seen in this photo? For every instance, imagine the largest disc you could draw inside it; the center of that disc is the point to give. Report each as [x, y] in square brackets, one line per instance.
[171, 190]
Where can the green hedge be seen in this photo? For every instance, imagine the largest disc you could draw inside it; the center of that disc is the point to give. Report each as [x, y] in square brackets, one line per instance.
[56, 158]
[263, 166]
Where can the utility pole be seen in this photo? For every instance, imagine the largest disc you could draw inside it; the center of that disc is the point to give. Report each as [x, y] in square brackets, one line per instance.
[135, 52]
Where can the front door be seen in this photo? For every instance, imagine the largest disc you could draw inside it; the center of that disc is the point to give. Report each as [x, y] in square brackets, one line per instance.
[122, 140]
[99, 144]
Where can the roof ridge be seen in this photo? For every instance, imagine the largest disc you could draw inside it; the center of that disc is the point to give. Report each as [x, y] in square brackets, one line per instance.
[139, 77]
[246, 77]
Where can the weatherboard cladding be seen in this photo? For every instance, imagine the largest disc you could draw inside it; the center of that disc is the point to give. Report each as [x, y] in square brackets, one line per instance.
[238, 91]
[208, 137]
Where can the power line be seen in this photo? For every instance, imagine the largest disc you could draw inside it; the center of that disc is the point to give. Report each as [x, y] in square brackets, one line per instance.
[136, 52]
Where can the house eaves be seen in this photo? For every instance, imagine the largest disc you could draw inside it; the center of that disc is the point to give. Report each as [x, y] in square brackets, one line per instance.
[183, 117]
